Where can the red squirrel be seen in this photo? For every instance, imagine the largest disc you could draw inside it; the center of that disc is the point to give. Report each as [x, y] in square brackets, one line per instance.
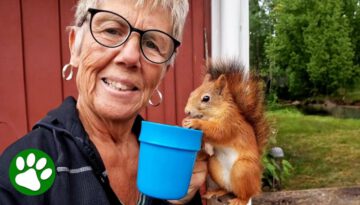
[228, 108]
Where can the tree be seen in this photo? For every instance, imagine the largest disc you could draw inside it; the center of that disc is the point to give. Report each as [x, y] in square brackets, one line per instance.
[328, 43]
[352, 13]
[311, 51]
[286, 50]
[260, 29]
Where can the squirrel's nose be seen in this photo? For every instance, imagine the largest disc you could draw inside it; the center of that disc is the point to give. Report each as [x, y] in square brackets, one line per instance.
[187, 112]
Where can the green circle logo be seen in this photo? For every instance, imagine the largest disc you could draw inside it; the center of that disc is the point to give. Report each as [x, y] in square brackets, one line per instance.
[32, 172]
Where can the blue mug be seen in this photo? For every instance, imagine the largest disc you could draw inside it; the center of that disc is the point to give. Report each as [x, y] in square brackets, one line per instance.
[166, 160]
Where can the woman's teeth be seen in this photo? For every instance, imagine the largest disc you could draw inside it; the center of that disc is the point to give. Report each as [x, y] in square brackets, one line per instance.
[118, 86]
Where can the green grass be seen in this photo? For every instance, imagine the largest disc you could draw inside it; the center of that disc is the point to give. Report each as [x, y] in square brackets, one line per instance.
[324, 151]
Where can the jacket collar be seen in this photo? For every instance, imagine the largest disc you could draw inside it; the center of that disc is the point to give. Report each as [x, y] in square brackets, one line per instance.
[66, 119]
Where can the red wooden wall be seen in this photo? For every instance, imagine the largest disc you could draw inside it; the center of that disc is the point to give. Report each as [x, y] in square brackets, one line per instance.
[34, 48]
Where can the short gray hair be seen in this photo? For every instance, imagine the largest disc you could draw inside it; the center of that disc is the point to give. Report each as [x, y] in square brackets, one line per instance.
[178, 10]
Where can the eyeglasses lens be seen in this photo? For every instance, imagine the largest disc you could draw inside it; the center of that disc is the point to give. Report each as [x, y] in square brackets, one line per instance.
[112, 30]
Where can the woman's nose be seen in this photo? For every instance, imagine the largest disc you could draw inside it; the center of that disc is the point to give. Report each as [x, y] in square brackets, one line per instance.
[130, 52]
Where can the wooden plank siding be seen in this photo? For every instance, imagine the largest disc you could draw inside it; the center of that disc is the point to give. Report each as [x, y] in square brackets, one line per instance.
[41, 34]
[13, 115]
[34, 48]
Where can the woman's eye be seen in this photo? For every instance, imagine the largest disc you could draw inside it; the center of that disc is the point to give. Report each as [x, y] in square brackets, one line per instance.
[151, 45]
[112, 31]
[206, 98]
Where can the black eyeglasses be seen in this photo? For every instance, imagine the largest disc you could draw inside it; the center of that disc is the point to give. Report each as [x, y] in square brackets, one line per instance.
[111, 30]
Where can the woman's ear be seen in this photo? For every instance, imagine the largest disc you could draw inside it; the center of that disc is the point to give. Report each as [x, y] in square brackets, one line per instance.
[74, 47]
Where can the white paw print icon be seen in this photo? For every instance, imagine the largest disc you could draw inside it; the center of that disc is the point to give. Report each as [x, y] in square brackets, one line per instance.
[32, 170]
[29, 178]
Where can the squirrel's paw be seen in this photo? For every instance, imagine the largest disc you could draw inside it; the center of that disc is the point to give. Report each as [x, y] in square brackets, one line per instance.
[190, 123]
[214, 194]
[187, 123]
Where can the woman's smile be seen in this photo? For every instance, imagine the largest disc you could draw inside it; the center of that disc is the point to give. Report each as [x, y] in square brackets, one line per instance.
[121, 50]
[120, 87]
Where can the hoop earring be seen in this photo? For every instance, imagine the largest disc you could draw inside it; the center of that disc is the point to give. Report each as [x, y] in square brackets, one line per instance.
[64, 69]
[160, 99]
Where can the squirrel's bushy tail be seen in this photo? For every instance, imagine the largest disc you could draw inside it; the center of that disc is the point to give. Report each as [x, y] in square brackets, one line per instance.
[247, 93]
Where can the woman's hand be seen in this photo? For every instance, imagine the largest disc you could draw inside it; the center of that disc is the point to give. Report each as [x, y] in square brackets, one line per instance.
[197, 179]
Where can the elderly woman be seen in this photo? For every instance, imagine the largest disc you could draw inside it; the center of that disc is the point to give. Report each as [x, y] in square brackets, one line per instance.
[122, 50]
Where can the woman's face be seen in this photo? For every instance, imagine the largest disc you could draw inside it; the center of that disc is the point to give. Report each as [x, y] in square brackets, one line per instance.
[116, 83]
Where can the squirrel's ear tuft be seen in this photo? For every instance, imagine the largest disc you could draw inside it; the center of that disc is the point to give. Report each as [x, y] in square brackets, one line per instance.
[220, 83]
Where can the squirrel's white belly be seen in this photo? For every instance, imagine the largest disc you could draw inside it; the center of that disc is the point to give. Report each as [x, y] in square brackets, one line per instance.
[227, 158]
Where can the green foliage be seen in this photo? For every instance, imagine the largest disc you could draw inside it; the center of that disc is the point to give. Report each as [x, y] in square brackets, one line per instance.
[312, 47]
[275, 172]
[272, 101]
[352, 12]
[260, 28]
[328, 44]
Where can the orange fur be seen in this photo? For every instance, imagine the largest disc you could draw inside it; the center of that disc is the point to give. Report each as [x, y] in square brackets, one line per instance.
[228, 108]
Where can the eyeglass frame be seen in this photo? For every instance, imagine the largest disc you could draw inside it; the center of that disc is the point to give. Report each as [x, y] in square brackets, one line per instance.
[93, 11]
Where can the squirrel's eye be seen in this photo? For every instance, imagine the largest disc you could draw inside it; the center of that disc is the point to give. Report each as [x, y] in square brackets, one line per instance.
[206, 98]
